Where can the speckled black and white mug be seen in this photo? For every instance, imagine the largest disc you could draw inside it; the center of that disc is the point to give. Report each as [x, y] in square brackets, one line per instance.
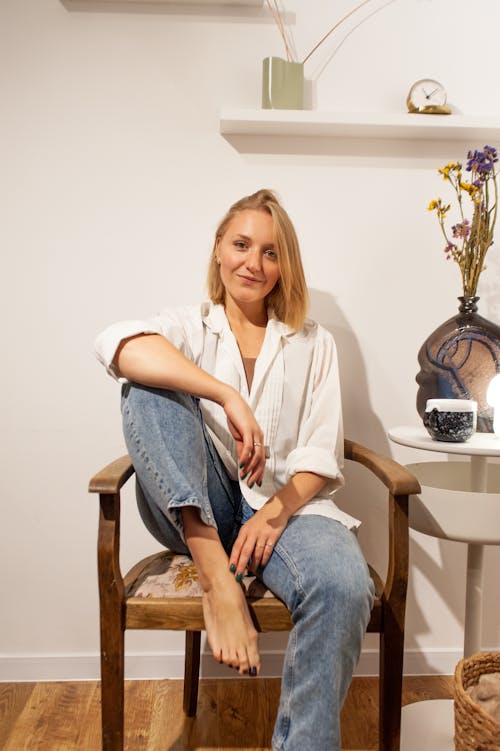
[452, 420]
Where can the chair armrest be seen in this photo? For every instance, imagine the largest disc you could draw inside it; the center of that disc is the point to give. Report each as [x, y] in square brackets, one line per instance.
[110, 479]
[108, 483]
[400, 483]
[397, 479]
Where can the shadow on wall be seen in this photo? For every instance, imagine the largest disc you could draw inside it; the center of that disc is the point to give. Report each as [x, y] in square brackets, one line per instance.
[361, 497]
[366, 500]
[360, 421]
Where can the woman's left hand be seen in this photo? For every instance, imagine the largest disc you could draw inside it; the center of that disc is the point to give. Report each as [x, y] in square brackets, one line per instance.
[257, 537]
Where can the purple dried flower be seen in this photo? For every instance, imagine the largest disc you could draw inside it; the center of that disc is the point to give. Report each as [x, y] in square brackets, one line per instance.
[461, 229]
[491, 153]
[481, 163]
[449, 250]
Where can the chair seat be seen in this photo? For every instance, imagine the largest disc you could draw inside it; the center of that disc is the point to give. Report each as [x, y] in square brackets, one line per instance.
[169, 574]
[163, 591]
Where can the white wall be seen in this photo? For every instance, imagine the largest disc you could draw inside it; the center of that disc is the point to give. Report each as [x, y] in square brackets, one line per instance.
[113, 177]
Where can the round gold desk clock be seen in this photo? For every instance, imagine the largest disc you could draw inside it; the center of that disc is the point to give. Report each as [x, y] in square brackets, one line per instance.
[427, 97]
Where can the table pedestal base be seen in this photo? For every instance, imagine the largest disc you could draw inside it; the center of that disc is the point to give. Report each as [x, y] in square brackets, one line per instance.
[458, 501]
[428, 726]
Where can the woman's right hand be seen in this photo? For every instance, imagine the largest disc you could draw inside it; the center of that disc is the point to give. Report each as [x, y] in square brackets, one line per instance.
[248, 437]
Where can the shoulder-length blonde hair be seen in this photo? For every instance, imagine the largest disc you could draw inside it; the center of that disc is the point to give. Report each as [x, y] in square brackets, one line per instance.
[289, 297]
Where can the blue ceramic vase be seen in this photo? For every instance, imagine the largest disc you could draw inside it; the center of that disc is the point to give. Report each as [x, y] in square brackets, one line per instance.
[458, 361]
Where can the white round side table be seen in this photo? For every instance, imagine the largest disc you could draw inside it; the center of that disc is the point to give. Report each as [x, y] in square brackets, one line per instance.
[458, 501]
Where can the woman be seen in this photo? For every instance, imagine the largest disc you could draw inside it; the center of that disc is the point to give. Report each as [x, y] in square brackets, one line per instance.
[232, 417]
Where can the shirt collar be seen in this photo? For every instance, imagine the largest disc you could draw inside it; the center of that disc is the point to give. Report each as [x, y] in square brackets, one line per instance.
[216, 320]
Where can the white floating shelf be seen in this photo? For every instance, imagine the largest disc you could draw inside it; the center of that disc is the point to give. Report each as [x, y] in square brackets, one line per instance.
[312, 123]
[212, 3]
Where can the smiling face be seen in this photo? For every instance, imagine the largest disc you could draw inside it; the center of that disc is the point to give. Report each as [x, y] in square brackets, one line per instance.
[283, 290]
[248, 259]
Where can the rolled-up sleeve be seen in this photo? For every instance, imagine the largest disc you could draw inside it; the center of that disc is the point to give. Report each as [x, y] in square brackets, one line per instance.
[181, 326]
[108, 341]
[320, 445]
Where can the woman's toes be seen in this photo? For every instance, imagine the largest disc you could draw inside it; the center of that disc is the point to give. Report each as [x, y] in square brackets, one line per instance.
[244, 665]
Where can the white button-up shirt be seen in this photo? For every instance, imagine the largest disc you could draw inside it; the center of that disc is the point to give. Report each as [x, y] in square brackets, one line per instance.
[294, 395]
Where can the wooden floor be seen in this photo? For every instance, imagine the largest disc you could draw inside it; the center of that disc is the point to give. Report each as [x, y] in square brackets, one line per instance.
[232, 714]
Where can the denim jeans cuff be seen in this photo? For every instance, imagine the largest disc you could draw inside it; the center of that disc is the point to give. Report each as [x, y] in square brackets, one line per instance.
[174, 514]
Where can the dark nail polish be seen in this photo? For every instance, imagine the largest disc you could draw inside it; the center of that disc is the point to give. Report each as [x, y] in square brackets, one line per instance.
[239, 577]
[232, 568]
[259, 483]
[242, 465]
[251, 485]
[252, 672]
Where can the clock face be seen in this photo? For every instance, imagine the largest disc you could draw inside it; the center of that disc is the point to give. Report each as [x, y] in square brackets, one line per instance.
[426, 93]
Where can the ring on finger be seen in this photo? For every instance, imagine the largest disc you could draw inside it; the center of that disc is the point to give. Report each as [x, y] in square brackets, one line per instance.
[256, 443]
[269, 545]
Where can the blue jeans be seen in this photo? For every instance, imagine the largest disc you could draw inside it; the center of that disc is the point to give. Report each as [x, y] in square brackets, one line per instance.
[316, 568]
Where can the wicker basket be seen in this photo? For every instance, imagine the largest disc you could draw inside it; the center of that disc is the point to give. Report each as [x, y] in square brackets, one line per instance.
[475, 729]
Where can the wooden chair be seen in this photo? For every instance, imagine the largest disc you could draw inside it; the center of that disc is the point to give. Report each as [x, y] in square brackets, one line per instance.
[122, 606]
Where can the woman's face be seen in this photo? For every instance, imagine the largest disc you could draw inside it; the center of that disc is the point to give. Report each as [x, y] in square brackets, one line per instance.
[248, 260]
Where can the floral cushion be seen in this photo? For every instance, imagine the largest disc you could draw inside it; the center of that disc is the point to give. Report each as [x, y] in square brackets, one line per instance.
[172, 575]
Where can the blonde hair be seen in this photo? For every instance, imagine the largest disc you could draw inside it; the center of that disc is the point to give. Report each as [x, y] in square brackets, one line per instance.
[289, 298]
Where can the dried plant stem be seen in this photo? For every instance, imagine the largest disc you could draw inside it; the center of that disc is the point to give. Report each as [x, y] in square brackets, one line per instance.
[471, 253]
[273, 7]
[360, 5]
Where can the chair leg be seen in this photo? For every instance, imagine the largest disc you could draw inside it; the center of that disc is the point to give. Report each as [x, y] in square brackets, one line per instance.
[391, 684]
[191, 672]
[112, 685]
[111, 598]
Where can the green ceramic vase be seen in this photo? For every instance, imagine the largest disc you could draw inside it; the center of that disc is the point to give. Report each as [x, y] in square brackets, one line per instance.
[282, 84]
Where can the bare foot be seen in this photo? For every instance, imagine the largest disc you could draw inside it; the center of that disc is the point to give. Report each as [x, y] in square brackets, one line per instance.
[231, 634]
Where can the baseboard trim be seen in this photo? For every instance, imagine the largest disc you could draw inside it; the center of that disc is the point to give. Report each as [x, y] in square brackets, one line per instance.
[158, 665]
